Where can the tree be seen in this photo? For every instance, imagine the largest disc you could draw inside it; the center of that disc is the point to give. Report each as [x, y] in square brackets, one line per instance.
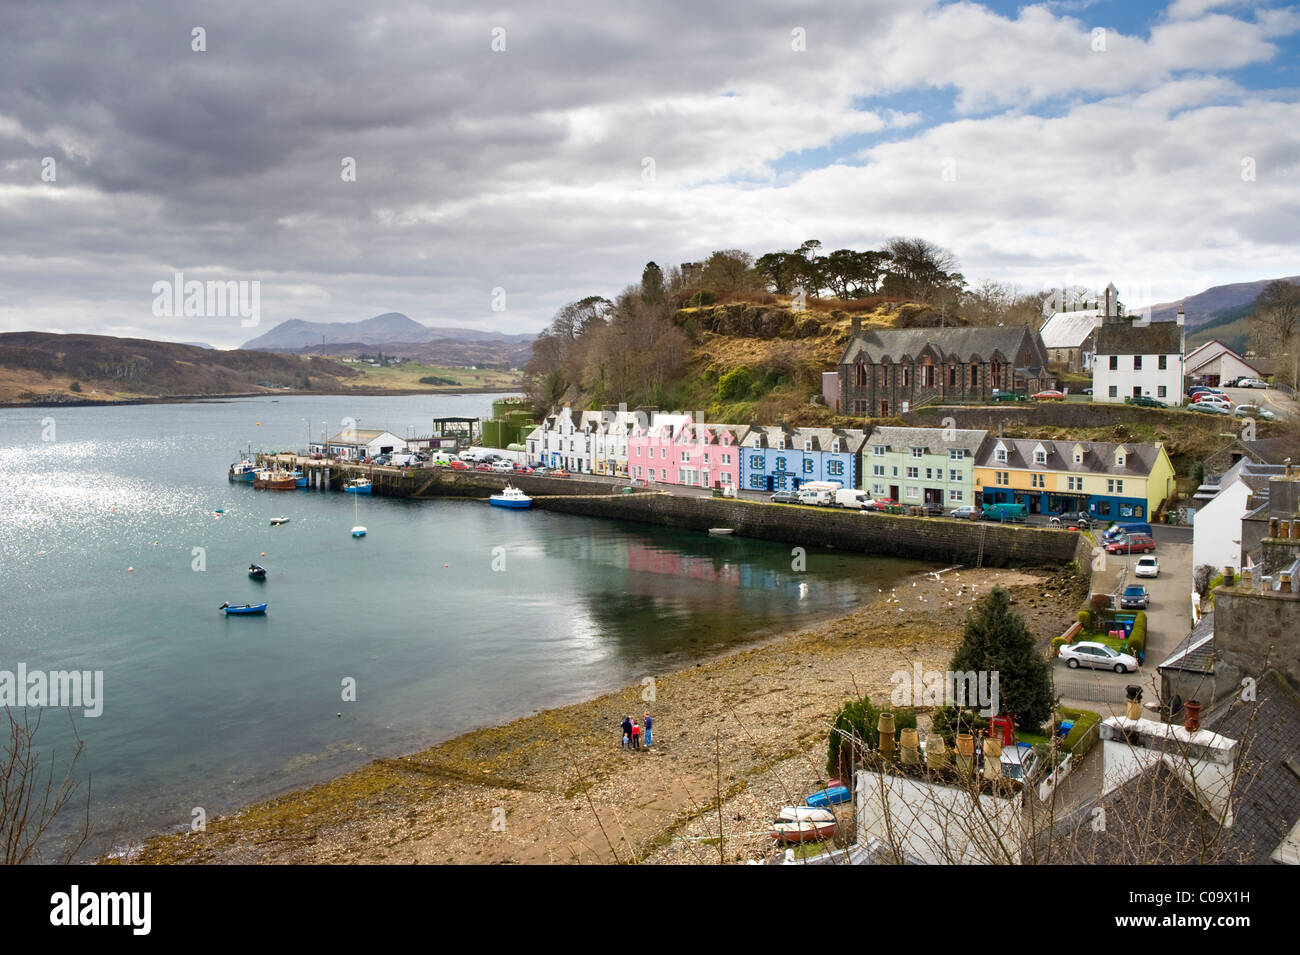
[652, 283]
[31, 799]
[731, 270]
[735, 384]
[997, 640]
[921, 271]
[1275, 323]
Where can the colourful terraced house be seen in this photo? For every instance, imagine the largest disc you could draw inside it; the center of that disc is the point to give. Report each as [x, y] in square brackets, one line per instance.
[1107, 481]
[782, 458]
[934, 466]
[676, 450]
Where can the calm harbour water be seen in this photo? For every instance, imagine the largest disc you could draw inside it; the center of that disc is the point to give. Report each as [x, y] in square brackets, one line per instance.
[204, 710]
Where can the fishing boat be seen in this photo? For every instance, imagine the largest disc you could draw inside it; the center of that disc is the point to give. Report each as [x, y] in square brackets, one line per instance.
[802, 831]
[512, 498]
[277, 521]
[244, 609]
[358, 486]
[830, 796]
[300, 479]
[275, 480]
[244, 472]
[257, 571]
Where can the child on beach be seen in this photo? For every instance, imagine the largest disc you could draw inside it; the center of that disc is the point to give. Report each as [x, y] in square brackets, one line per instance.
[636, 735]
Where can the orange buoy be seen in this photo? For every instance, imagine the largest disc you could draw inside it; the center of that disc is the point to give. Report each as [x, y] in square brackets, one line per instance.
[130, 570]
[263, 554]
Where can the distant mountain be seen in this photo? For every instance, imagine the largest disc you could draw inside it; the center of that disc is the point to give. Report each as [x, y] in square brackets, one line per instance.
[386, 329]
[1205, 307]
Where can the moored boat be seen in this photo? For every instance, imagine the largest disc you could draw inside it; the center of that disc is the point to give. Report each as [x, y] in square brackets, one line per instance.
[244, 472]
[720, 531]
[257, 571]
[277, 521]
[275, 480]
[358, 486]
[243, 609]
[511, 497]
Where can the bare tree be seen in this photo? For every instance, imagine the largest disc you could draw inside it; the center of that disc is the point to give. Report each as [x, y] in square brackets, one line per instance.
[31, 799]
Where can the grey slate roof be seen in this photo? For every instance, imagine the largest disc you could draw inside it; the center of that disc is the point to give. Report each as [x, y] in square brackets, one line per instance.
[932, 439]
[1195, 654]
[1159, 338]
[1098, 456]
[851, 439]
[1069, 329]
[960, 344]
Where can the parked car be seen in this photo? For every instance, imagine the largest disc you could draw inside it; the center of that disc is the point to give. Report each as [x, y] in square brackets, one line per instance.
[1253, 411]
[785, 497]
[878, 503]
[851, 498]
[964, 512]
[458, 465]
[1206, 397]
[1134, 597]
[1087, 391]
[1019, 762]
[1195, 390]
[1132, 544]
[933, 510]
[1144, 401]
[1252, 383]
[1206, 407]
[1098, 656]
[483, 467]
[1072, 519]
[559, 472]
[504, 467]
[1120, 531]
[1148, 567]
[1050, 394]
[1008, 396]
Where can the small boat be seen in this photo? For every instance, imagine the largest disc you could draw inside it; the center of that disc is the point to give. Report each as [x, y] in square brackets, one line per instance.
[805, 814]
[358, 531]
[721, 531]
[257, 571]
[299, 479]
[512, 498]
[277, 521]
[804, 831]
[830, 796]
[275, 480]
[357, 486]
[245, 609]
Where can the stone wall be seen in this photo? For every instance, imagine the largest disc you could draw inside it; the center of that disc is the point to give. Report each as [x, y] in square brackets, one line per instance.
[1253, 629]
[922, 538]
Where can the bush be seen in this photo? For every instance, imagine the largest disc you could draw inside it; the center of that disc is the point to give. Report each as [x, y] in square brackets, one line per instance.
[1085, 619]
[1057, 643]
[1083, 734]
[735, 384]
[1100, 602]
[948, 721]
[75, 386]
[858, 719]
[1137, 641]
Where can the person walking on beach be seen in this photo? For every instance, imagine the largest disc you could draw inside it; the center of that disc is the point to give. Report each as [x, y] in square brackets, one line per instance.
[636, 735]
[627, 731]
[649, 725]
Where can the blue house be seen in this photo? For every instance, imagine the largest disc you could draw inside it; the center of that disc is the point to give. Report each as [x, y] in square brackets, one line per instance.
[781, 458]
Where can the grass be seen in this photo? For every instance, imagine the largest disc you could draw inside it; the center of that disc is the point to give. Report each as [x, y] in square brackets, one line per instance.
[407, 375]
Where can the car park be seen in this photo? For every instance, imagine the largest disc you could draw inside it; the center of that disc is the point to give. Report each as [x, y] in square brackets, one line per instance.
[964, 512]
[1097, 656]
[1147, 567]
[1132, 544]
[785, 497]
[1134, 597]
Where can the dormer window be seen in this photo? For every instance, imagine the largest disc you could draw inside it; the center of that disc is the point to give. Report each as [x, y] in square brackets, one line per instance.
[807, 445]
[1000, 455]
[780, 444]
[835, 446]
[1040, 457]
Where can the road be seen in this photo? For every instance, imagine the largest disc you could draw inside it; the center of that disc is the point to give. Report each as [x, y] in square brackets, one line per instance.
[1280, 403]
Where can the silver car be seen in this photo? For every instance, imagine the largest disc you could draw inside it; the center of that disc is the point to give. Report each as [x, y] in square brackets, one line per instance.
[1097, 656]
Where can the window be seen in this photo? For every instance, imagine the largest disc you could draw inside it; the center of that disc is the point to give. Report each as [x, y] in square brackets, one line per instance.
[1000, 455]
[913, 472]
[927, 376]
[929, 474]
[1137, 362]
[912, 492]
[807, 465]
[1161, 391]
[726, 477]
[1163, 362]
[918, 452]
[956, 454]
[757, 481]
[780, 464]
[878, 450]
[1103, 508]
[906, 371]
[726, 459]
[954, 495]
[878, 470]
[895, 470]
[952, 376]
[1040, 457]
[1114, 362]
[835, 467]
[954, 475]
[1036, 480]
[1003, 477]
[1119, 487]
[638, 452]
[1112, 392]
[878, 489]
[835, 446]
[663, 452]
[807, 445]
[756, 462]
[686, 457]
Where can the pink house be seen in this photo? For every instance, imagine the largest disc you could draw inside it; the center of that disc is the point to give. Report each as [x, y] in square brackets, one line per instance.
[674, 450]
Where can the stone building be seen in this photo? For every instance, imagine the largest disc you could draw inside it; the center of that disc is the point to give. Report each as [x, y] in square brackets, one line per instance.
[882, 370]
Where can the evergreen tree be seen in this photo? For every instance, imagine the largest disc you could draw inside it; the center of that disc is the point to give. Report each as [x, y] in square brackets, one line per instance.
[997, 639]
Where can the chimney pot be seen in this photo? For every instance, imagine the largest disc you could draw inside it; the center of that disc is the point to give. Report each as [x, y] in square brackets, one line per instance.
[1192, 722]
[993, 758]
[909, 743]
[886, 727]
[1273, 527]
[936, 752]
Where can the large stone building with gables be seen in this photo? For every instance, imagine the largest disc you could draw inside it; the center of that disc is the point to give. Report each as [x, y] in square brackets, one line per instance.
[882, 369]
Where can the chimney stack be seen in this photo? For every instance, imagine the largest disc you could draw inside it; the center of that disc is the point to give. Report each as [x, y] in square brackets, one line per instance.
[1133, 704]
[1182, 319]
[936, 753]
[965, 753]
[856, 325]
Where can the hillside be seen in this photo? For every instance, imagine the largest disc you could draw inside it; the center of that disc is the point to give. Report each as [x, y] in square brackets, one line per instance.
[42, 367]
[449, 352]
[391, 327]
[1205, 307]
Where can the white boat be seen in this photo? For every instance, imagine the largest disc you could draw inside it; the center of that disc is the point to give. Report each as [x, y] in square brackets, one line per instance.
[357, 486]
[721, 531]
[805, 814]
[511, 497]
[357, 529]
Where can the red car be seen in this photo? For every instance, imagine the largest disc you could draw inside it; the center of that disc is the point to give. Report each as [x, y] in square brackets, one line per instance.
[560, 473]
[483, 467]
[1133, 544]
[458, 465]
[1049, 395]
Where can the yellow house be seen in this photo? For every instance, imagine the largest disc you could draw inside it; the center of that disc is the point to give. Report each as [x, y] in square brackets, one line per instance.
[1104, 480]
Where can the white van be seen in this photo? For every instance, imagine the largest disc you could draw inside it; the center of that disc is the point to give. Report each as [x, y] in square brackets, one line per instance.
[403, 460]
[819, 492]
[851, 498]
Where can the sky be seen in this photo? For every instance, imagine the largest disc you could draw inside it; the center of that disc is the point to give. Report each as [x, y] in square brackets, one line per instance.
[483, 168]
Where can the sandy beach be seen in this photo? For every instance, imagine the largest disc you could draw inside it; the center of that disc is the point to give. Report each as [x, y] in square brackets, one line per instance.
[747, 731]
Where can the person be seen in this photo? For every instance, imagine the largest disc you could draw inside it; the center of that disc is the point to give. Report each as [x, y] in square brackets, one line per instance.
[636, 735]
[627, 730]
[649, 725]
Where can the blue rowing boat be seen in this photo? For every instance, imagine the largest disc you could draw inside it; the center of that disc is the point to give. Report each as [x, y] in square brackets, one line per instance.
[245, 609]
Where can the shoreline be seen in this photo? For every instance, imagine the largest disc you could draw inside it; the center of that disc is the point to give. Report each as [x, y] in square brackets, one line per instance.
[556, 786]
[187, 399]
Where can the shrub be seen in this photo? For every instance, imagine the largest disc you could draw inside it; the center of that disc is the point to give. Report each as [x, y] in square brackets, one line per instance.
[1100, 602]
[858, 718]
[735, 384]
[1137, 640]
[1057, 643]
[1201, 580]
[1085, 619]
[948, 721]
[75, 386]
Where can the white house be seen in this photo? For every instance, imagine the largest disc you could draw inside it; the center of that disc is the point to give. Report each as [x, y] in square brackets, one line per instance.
[1138, 359]
[1216, 533]
[560, 442]
[610, 431]
[355, 444]
[1215, 363]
